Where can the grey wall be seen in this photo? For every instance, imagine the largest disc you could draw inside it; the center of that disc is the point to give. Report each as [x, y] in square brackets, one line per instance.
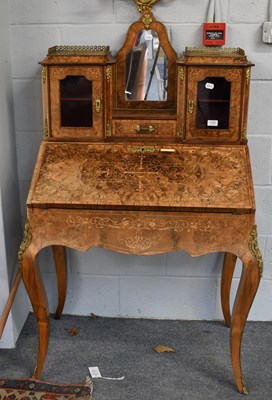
[164, 286]
[10, 220]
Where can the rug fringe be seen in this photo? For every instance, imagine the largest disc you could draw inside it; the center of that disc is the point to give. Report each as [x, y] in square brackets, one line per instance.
[89, 383]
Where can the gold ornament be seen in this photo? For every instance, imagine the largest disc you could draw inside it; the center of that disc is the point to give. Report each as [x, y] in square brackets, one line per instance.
[25, 243]
[254, 248]
[145, 5]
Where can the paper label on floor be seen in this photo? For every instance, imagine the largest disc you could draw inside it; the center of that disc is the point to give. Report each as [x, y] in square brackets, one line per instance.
[94, 371]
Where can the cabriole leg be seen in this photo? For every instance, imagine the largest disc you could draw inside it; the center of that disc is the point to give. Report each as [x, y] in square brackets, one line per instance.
[227, 275]
[61, 271]
[36, 292]
[246, 292]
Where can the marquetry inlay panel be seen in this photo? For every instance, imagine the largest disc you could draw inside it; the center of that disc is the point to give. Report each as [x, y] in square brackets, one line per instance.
[106, 175]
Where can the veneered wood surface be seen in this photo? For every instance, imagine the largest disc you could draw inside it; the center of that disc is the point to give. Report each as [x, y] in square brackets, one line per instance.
[75, 200]
[138, 129]
[234, 76]
[146, 197]
[61, 271]
[78, 59]
[141, 232]
[227, 275]
[122, 176]
[92, 73]
[193, 67]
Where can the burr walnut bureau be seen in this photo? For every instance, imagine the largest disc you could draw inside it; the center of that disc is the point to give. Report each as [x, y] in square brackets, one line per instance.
[144, 153]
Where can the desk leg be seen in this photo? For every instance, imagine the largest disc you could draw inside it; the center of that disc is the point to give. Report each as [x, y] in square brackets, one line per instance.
[61, 270]
[246, 292]
[227, 275]
[35, 288]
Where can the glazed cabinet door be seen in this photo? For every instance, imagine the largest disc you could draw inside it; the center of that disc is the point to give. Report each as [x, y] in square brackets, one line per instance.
[76, 102]
[214, 104]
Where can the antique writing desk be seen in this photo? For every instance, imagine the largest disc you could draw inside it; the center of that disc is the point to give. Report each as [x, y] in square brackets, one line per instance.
[144, 176]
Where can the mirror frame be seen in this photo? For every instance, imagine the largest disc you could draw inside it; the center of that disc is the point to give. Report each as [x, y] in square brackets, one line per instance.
[146, 22]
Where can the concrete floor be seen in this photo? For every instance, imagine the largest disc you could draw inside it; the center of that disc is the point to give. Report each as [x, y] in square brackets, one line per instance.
[200, 368]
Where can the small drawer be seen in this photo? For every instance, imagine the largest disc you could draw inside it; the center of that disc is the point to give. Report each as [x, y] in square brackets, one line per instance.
[142, 128]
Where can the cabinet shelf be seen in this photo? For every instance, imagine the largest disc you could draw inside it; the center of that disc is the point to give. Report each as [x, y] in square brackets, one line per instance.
[213, 101]
[76, 99]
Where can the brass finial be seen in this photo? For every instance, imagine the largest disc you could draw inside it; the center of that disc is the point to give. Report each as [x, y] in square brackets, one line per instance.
[145, 5]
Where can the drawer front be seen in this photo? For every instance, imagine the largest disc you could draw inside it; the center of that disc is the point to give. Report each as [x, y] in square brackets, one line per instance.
[141, 128]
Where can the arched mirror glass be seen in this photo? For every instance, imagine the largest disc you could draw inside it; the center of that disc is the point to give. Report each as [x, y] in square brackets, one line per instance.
[146, 69]
[146, 66]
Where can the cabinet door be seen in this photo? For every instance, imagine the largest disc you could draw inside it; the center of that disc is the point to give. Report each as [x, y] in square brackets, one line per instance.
[76, 102]
[214, 102]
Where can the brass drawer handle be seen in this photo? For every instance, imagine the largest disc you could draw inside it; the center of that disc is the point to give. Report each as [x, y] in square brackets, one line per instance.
[145, 129]
[191, 106]
[98, 105]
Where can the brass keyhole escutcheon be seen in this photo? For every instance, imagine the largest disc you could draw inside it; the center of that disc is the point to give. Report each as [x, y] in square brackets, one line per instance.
[98, 105]
[191, 106]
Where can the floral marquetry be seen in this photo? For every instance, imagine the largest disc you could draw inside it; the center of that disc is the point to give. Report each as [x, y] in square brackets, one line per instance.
[114, 176]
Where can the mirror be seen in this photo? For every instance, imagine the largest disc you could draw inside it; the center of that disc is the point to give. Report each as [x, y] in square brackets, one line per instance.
[146, 69]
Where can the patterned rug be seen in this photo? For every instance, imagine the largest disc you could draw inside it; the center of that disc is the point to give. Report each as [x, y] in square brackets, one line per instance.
[30, 389]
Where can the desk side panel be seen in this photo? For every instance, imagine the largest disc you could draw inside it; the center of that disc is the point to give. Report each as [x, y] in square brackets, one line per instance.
[142, 232]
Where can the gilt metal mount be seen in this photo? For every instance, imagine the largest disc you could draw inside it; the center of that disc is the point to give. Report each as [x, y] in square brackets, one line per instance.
[145, 5]
[214, 51]
[25, 243]
[254, 248]
[79, 50]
